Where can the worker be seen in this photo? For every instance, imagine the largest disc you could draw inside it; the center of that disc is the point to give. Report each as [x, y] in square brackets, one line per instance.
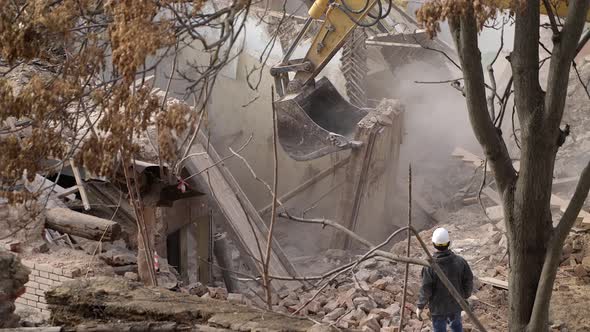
[443, 307]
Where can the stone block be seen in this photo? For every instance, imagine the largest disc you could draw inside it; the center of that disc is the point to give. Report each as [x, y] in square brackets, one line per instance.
[44, 268]
[334, 314]
[32, 284]
[72, 273]
[62, 278]
[43, 281]
[29, 264]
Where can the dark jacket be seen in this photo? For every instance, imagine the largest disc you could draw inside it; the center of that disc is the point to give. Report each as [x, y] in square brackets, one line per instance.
[435, 293]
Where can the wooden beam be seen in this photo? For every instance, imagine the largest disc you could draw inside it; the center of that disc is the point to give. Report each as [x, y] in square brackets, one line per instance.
[80, 186]
[75, 223]
[308, 183]
[391, 44]
[41, 183]
[68, 191]
[494, 282]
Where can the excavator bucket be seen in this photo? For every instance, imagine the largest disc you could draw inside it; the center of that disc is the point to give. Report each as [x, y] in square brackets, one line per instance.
[316, 121]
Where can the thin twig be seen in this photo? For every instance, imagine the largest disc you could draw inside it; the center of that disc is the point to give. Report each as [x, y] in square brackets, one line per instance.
[273, 216]
[221, 160]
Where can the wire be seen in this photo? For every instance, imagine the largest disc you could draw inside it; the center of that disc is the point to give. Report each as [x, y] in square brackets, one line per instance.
[389, 6]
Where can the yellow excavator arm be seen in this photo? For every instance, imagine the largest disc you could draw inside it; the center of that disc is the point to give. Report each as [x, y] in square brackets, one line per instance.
[341, 18]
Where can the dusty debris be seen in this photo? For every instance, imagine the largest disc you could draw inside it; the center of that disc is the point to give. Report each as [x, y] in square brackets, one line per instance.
[13, 277]
[126, 301]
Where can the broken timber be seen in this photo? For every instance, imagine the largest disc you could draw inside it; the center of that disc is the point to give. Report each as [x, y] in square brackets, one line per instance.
[302, 187]
[494, 282]
[75, 223]
[240, 214]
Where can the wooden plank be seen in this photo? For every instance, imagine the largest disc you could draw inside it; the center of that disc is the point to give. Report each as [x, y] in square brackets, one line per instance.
[494, 282]
[234, 205]
[41, 183]
[391, 44]
[69, 191]
[80, 186]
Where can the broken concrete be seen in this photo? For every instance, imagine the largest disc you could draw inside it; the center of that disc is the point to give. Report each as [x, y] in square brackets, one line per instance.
[76, 302]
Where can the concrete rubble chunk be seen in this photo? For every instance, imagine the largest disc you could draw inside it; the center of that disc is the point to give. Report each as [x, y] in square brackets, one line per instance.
[131, 276]
[334, 314]
[393, 309]
[124, 300]
[314, 307]
[354, 317]
[393, 288]
[374, 276]
[331, 306]
[586, 263]
[580, 271]
[322, 328]
[389, 329]
[363, 275]
[197, 289]
[364, 303]
[119, 257]
[371, 322]
[236, 298]
[218, 293]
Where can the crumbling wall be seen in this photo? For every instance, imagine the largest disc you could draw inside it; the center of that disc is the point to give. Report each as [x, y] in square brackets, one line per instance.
[42, 278]
[13, 277]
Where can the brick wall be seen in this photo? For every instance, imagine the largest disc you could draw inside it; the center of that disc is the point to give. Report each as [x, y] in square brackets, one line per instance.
[42, 278]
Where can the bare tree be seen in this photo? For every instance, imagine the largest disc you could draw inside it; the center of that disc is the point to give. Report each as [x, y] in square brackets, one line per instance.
[534, 244]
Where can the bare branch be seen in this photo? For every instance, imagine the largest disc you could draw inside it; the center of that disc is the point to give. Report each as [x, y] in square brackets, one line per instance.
[273, 217]
[551, 15]
[465, 34]
[561, 59]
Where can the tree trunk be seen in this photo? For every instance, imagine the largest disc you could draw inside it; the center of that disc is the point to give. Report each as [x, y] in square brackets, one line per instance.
[82, 225]
[530, 225]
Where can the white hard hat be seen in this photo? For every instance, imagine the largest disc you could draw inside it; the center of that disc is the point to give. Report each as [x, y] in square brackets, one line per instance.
[440, 237]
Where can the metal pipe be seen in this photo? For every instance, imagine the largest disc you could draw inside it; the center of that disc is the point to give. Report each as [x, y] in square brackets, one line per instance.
[297, 40]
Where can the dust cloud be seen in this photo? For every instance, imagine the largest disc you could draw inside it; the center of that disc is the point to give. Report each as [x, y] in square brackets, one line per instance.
[436, 121]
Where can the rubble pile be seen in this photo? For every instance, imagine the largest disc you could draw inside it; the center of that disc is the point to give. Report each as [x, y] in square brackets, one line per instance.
[370, 298]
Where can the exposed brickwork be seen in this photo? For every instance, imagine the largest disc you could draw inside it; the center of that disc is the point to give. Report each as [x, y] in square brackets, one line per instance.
[42, 278]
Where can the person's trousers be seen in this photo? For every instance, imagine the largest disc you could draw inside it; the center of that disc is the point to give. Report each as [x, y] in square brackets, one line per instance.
[440, 322]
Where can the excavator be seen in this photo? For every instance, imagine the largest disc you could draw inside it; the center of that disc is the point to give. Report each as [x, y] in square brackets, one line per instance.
[313, 119]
